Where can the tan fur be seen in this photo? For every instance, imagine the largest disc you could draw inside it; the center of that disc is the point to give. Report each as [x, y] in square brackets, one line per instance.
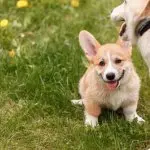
[146, 12]
[94, 93]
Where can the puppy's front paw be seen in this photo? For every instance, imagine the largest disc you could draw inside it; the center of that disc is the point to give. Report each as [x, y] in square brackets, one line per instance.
[140, 120]
[133, 116]
[91, 120]
[92, 123]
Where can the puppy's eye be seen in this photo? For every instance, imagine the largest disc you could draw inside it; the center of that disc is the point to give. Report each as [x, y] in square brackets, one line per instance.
[102, 63]
[118, 61]
[125, 1]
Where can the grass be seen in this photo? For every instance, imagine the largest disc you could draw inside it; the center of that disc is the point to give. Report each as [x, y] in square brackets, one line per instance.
[37, 84]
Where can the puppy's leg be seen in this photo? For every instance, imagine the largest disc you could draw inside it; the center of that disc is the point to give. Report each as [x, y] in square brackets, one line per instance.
[90, 120]
[131, 114]
[92, 111]
[77, 102]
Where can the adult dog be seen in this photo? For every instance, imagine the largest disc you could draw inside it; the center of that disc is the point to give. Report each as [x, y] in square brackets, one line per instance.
[136, 14]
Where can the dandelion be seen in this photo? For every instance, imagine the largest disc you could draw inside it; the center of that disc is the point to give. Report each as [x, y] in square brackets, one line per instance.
[75, 3]
[4, 23]
[12, 53]
[22, 3]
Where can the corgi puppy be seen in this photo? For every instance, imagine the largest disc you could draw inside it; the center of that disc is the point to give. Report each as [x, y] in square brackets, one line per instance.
[110, 80]
[136, 14]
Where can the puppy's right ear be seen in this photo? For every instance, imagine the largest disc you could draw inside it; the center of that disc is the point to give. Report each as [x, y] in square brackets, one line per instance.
[89, 44]
[125, 45]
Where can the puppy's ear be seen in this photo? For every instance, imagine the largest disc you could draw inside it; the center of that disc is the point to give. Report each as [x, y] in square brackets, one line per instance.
[89, 44]
[125, 45]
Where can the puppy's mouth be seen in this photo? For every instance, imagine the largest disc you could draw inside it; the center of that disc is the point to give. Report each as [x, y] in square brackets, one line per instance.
[112, 85]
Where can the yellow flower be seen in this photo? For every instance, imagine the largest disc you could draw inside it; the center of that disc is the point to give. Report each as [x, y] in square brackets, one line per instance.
[22, 3]
[75, 3]
[4, 23]
[12, 53]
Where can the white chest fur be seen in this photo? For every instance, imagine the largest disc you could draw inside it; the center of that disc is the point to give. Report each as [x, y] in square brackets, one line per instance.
[116, 99]
[124, 94]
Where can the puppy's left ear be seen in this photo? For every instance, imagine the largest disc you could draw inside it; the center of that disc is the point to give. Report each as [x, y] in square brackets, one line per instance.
[126, 45]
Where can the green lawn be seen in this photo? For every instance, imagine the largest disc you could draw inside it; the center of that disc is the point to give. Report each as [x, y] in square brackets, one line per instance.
[37, 84]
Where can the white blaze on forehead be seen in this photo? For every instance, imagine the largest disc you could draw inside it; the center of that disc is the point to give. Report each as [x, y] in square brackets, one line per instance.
[110, 68]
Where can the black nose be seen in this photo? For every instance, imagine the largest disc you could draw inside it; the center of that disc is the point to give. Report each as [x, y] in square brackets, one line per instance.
[110, 76]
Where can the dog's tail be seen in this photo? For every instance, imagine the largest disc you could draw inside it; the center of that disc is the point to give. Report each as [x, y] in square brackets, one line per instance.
[77, 102]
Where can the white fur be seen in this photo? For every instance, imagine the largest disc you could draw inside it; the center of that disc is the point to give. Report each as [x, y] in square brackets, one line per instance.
[131, 114]
[115, 16]
[110, 69]
[91, 120]
[130, 13]
[144, 46]
[126, 92]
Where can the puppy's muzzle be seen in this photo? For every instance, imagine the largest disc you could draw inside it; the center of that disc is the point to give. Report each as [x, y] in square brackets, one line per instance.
[111, 77]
